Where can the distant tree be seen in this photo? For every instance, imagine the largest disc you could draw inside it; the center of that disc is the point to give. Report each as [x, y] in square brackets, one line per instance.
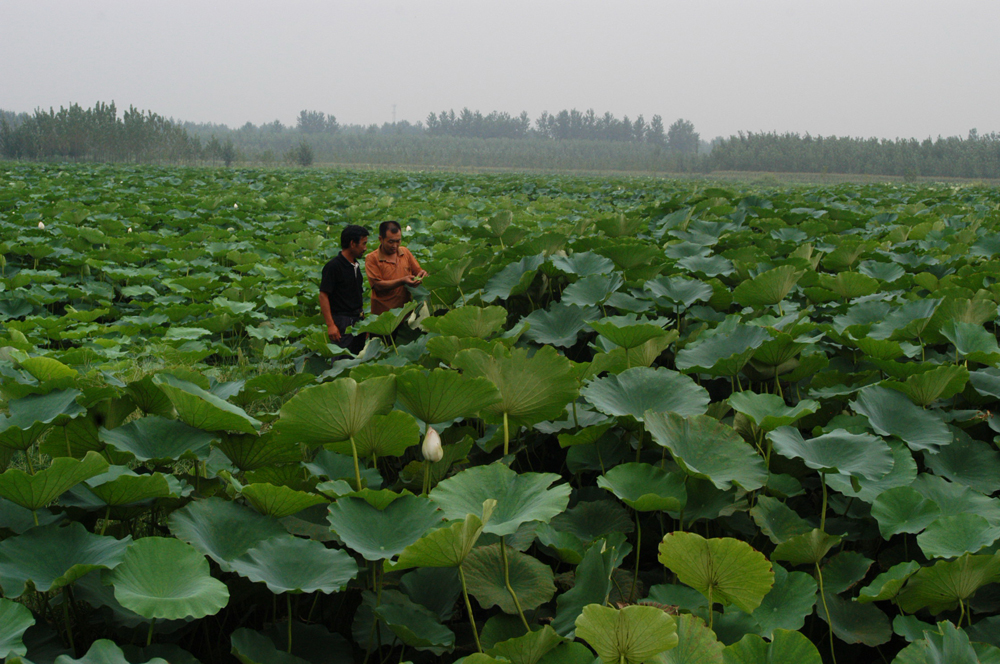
[639, 129]
[316, 122]
[682, 138]
[655, 134]
[227, 153]
[302, 154]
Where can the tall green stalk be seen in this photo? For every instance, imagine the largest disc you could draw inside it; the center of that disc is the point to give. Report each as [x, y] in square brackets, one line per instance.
[468, 608]
[506, 580]
[357, 468]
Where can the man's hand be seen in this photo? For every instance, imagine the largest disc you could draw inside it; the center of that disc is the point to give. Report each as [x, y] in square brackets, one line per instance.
[421, 274]
[333, 333]
[408, 280]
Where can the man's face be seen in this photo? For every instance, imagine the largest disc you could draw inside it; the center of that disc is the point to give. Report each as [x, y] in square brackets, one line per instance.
[358, 249]
[390, 243]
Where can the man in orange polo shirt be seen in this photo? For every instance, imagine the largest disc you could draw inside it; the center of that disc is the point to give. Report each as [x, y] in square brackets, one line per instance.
[390, 269]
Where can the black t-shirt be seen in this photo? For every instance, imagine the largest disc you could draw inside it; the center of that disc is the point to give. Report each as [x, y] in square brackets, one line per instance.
[342, 284]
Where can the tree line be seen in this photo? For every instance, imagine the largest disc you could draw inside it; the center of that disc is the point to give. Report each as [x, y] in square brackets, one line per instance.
[567, 140]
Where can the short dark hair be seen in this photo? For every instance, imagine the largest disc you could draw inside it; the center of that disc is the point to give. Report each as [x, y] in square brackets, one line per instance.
[352, 233]
[389, 226]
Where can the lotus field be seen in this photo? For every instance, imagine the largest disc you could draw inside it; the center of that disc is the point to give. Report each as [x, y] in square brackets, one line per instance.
[679, 422]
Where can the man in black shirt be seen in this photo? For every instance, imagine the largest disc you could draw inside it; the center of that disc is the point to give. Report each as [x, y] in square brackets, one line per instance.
[340, 289]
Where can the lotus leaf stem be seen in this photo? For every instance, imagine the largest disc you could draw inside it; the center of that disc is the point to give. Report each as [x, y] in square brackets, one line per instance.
[288, 600]
[149, 637]
[69, 451]
[711, 613]
[427, 477]
[69, 626]
[829, 620]
[357, 469]
[506, 435]
[31, 466]
[506, 580]
[468, 608]
[638, 544]
[107, 517]
[34, 515]
[822, 513]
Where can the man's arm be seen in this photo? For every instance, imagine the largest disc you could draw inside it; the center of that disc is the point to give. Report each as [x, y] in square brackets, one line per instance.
[331, 327]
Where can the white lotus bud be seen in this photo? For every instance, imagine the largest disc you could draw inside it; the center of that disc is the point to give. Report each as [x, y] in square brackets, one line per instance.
[409, 228]
[129, 229]
[432, 446]
[41, 225]
[236, 206]
[230, 229]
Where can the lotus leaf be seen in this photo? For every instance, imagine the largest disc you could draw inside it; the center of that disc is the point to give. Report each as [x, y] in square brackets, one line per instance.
[952, 536]
[679, 291]
[560, 324]
[278, 501]
[943, 585]
[942, 382]
[481, 323]
[446, 547]
[786, 647]
[853, 622]
[893, 414]
[641, 389]
[334, 411]
[777, 520]
[33, 415]
[290, 564]
[788, 603]
[887, 585]
[592, 585]
[521, 498]
[442, 395]
[627, 332]
[768, 411]
[722, 355]
[807, 548]
[250, 452]
[221, 529]
[103, 651]
[159, 440]
[767, 288]
[707, 449]
[514, 279]
[583, 264]
[163, 578]
[529, 648]
[531, 580]
[34, 492]
[385, 323]
[417, 627]
[380, 534]
[946, 643]
[904, 471]
[384, 435]
[202, 409]
[861, 455]
[251, 647]
[633, 634]
[724, 570]
[966, 461]
[15, 619]
[645, 488]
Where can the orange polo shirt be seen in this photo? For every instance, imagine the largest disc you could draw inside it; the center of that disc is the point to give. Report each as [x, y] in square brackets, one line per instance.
[380, 267]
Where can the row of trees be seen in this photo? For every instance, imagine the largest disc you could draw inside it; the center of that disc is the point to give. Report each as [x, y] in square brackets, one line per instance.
[96, 133]
[976, 156]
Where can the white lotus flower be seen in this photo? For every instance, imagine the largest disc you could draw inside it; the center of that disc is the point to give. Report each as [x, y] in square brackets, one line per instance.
[432, 446]
[129, 229]
[409, 228]
[41, 225]
[230, 229]
[236, 206]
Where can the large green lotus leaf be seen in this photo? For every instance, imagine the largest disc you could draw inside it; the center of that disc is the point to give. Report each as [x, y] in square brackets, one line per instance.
[722, 355]
[559, 325]
[986, 382]
[592, 519]
[478, 322]
[443, 395]
[907, 321]
[294, 565]
[592, 585]
[628, 332]
[275, 385]
[641, 389]
[723, 569]
[951, 536]
[202, 409]
[103, 651]
[417, 627]
[972, 341]
[583, 264]
[844, 570]
[941, 586]
[767, 288]
[34, 492]
[858, 455]
[853, 622]
[586, 435]
[279, 501]
[341, 467]
[768, 411]
[159, 440]
[777, 520]
[954, 499]
[380, 534]
[334, 411]
[446, 547]
[250, 452]
[710, 266]
[251, 647]
[385, 323]
[903, 510]
[788, 604]
[529, 648]
[645, 488]
[904, 471]
[807, 548]
[521, 498]
[384, 435]
[51, 557]
[985, 631]
[17, 519]
[164, 578]
[33, 415]
[882, 271]
[849, 285]
[891, 413]
[15, 619]
[128, 487]
[886, 585]
[678, 291]
[947, 645]
[696, 643]
[942, 382]
[514, 279]
[786, 647]
[631, 635]
[595, 289]
[967, 461]
[45, 369]
[531, 580]
[532, 389]
[708, 449]
[221, 529]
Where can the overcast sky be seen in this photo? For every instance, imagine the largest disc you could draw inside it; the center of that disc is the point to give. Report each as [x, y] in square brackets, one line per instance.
[883, 68]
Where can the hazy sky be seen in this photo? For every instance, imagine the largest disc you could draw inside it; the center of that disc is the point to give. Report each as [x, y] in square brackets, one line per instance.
[882, 68]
